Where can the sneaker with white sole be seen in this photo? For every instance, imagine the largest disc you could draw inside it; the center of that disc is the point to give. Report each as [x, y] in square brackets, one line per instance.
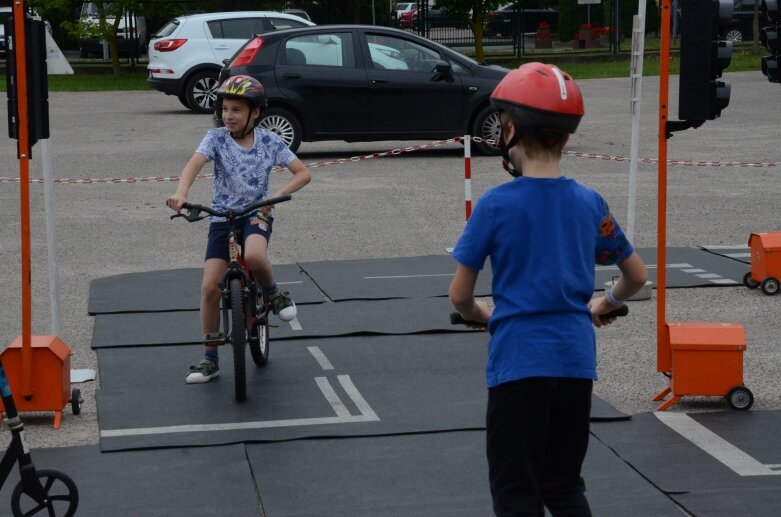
[282, 304]
[204, 371]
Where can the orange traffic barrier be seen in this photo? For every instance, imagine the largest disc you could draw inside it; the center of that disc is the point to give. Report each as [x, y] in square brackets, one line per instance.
[765, 262]
[707, 359]
[50, 378]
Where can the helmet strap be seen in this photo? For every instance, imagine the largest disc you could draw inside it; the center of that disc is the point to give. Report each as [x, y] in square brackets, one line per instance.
[505, 147]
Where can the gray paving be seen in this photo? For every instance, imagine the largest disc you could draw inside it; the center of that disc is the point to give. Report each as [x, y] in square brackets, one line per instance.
[404, 206]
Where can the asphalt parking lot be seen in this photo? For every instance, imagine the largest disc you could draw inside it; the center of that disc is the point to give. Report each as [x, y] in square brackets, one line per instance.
[407, 205]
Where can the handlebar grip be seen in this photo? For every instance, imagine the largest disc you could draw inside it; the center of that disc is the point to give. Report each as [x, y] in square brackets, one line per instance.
[457, 319]
[621, 311]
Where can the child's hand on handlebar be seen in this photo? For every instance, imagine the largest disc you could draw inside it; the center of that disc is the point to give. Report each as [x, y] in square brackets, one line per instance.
[175, 202]
[602, 312]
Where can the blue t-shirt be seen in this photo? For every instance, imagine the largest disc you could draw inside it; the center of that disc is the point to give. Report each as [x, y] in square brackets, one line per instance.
[241, 174]
[544, 237]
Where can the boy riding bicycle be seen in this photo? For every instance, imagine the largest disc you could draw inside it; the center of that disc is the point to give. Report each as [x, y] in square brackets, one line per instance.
[544, 233]
[243, 157]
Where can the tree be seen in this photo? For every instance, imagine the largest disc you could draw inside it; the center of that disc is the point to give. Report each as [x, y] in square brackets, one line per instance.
[474, 12]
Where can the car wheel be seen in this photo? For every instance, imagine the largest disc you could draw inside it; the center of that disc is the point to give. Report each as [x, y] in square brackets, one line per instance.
[201, 92]
[283, 123]
[733, 34]
[488, 128]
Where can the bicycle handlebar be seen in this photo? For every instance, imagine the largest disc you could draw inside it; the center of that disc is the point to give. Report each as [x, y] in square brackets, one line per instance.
[194, 210]
[457, 319]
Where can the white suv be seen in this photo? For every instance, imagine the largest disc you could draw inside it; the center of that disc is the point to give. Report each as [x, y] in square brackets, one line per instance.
[186, 55]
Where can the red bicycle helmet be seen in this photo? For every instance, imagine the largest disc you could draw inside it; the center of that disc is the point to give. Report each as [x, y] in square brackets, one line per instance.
[243, 87]
[540, 96]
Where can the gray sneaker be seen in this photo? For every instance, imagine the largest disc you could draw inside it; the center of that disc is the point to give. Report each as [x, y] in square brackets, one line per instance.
[282, 305]
[204, 371]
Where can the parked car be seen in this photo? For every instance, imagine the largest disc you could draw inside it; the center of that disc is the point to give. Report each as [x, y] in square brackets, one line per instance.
[187, 53]
[364, 83]
[401, 9]
[405, 18]
[509, 20]
[740, 27]
[437, 17]
[131, 32]
[298, 12]
[5, 14]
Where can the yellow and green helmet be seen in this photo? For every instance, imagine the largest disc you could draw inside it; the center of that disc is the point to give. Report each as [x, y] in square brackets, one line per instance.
[243, 87]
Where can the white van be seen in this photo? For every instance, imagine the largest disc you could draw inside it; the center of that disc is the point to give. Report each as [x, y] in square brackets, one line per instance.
[131, 32]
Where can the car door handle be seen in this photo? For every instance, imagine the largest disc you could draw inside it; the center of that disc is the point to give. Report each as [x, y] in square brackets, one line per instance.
[379, 81]
[290, 75]
[222, 47]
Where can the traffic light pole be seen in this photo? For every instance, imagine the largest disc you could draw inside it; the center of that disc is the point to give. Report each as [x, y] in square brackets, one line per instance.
[663, 360]
[20, 52]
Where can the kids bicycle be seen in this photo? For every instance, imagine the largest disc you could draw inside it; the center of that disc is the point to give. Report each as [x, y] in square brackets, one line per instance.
[45, 491]
[244, 308]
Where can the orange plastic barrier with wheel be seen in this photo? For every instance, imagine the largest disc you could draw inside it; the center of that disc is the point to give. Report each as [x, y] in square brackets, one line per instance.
[765, 262]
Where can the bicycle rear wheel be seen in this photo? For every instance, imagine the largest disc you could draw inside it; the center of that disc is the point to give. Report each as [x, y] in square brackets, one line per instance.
[238, 335]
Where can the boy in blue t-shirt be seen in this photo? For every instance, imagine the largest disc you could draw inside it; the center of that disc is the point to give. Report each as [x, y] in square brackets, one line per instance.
[243, 157]
[544, 233]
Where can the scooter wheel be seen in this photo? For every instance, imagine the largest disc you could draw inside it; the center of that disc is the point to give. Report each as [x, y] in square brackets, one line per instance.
[60, 492]
[740, 398]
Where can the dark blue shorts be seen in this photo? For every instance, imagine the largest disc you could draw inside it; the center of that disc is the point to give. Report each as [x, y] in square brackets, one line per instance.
[217, 246]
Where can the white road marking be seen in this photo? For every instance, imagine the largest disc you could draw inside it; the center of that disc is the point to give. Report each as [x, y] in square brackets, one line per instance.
[356, 397]
[694, 270]
[732, 457]
[320, 357]
[708, 275]
[295, 324]
[367, 415]
[725, 281]
[288, 283]
[331, 396]
[738, 255]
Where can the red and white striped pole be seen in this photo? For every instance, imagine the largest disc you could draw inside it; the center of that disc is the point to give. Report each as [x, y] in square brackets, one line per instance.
[468, 175]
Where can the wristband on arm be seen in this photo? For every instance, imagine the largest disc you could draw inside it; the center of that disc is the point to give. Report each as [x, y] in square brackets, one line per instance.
[612, 300]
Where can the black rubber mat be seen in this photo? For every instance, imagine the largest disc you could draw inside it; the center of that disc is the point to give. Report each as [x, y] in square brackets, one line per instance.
[741, 253]
[351, 386]
[443, 474]
[404, 277]
[686, 267]
[320, 320]
[732, 466]
[203, 481]
[179, 290]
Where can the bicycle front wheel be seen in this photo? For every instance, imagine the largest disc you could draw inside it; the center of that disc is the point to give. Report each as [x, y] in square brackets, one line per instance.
[238, 335]
[259, 342]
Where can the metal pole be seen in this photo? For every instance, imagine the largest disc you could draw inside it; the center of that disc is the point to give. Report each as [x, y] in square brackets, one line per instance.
[51, 239]
[662, 346]
[636, 73]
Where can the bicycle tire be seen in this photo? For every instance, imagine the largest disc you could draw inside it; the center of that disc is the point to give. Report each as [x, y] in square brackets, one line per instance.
[47, 477]
[259, 344]
[238, 335]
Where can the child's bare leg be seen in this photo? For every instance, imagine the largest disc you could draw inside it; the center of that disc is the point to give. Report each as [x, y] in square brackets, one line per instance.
[208, 368]
[256, 255]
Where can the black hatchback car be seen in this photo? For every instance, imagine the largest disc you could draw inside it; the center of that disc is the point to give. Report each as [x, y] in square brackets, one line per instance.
[366, 83]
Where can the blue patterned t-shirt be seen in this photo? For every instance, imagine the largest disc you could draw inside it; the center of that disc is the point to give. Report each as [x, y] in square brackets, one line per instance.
[241, 175]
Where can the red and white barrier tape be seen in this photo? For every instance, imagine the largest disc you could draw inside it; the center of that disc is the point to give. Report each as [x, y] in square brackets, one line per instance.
[402, 150]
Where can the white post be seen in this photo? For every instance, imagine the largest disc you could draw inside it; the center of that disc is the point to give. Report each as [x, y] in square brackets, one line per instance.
[51, 240]
[636, 74]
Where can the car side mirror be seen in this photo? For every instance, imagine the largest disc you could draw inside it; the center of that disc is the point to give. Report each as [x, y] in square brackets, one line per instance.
[226, 61]
[444, 69]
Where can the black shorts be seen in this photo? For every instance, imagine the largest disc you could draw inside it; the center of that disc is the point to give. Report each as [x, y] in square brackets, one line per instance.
[217, 246]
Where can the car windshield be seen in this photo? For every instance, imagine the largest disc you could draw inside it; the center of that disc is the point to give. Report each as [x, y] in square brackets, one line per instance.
[404, 7]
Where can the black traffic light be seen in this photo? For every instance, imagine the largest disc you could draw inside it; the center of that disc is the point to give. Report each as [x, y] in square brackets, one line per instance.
[770, 38]
[703, 58]
[37, 81]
